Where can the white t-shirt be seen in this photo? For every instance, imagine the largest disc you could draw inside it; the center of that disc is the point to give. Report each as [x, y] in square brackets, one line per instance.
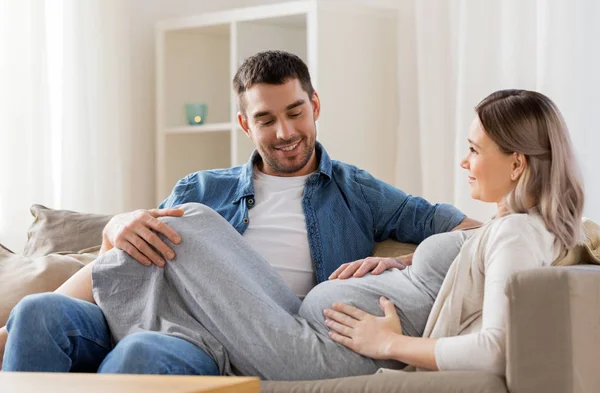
[277, 229]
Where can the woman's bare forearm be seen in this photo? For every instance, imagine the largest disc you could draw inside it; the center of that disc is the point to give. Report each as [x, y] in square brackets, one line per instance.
[416, 351]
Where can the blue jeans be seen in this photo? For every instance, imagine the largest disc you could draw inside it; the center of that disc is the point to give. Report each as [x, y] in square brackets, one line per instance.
[52, 332]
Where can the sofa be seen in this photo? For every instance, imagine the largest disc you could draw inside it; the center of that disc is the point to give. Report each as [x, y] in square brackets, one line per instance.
[553, 343]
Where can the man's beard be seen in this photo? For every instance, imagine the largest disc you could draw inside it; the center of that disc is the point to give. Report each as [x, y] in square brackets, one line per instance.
[279, 164]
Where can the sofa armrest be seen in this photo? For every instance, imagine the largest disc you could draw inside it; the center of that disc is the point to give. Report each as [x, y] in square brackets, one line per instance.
[553, 341]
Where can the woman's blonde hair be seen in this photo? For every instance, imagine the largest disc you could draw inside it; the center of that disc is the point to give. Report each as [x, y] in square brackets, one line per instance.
[528, 122]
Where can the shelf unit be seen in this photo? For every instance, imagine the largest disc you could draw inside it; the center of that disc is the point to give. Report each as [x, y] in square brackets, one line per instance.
[350, 50]
[211, 127]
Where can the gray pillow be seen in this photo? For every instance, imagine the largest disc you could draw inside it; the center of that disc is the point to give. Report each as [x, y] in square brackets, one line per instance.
[62, 231]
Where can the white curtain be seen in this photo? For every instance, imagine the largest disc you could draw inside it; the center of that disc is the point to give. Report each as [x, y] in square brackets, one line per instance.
[453, 53]
[65, 101]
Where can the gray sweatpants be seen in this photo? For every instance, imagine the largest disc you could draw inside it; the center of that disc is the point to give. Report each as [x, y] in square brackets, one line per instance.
[225, 298]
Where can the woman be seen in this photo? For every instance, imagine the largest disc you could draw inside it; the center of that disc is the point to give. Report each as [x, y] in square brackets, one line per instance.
[520, 158]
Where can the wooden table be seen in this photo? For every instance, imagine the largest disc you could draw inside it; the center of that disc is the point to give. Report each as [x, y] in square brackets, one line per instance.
[119, 383]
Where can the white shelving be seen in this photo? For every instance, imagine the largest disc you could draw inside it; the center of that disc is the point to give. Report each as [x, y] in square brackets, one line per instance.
[211, 127]
[350, 50]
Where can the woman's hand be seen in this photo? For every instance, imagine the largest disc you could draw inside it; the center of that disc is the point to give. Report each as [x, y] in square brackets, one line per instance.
[364, 333]
[375, 265]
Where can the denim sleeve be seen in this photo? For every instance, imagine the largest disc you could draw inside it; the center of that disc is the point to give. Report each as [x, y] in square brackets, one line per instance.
[404, 217]
[177, 196]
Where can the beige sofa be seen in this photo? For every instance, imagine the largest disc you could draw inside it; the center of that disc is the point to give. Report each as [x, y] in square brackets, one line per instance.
[553, 344]
[553, 337]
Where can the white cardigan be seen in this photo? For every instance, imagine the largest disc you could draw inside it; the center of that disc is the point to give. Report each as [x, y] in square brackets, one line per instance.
[470, 313]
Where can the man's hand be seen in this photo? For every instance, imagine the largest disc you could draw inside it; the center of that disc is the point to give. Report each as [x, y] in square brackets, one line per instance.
[375, 265]
[3, 338]
[133, 233]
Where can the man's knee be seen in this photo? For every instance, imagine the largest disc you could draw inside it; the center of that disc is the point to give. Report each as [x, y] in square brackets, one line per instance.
[37, 310]
[195, 218]
[133, 355]
[139, 344]
[143, 353]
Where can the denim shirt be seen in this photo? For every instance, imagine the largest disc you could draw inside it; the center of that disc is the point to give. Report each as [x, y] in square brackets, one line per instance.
[346, 209]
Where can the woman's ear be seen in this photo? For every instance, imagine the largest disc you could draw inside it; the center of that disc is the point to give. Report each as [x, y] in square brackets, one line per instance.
[518, 166]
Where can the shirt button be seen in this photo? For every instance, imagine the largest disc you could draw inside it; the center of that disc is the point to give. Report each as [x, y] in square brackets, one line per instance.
[251, 201]
[245, 220]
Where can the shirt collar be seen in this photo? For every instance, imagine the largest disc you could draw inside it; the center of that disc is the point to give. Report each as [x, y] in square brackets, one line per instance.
[246, 187]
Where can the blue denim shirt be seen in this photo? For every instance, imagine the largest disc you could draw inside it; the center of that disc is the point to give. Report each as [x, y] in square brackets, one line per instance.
[346, 209]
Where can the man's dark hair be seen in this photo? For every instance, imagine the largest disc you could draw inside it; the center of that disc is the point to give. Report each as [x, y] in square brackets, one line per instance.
[273, 67]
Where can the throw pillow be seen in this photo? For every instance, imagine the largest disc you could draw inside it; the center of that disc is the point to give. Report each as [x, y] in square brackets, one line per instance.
[62, 231]
[21, 276]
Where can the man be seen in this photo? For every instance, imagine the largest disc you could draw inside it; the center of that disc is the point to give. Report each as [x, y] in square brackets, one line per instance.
[303, 212]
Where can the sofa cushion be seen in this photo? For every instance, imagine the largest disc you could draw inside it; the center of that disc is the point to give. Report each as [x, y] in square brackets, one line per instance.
[21, 275]
[392, 248]
[396, 382]
[62, 231]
